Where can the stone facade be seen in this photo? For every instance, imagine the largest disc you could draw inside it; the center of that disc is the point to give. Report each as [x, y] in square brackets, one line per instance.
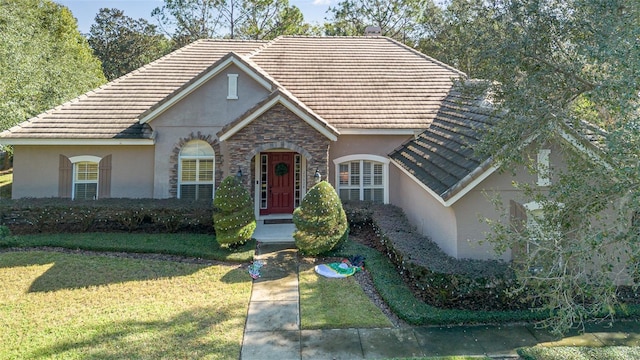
[278, 128]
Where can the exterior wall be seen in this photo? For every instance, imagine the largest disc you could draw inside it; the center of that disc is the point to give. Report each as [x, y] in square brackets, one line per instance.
[476, 205]
[380, 145]
[424, 212]
[200, 115]
[36, 169]
[277, 128]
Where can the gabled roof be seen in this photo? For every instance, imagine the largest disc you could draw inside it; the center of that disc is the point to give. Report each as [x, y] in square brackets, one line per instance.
[365, 83]
[442, 157]
[112, 111]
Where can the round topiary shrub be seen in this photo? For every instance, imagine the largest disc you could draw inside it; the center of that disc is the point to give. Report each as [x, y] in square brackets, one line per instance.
[233, 216]
[321, 223]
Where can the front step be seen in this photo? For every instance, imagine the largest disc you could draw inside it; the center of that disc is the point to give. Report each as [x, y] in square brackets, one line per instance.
[273, 233]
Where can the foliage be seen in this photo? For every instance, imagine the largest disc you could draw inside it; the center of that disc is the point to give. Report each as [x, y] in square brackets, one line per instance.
[44, 60]
[403, 20]
[557, 63]
[335, 303]
[54, 215]
[74, 306]
[233, 214]
[124, 44]
[437, 278]
[190, 20]
[321, 223]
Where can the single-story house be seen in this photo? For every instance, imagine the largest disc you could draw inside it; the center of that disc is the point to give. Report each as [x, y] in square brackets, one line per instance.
[379, 120]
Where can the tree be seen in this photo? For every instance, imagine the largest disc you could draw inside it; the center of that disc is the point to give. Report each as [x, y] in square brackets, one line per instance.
[124, 44]
[559, 62]
[233, 216]
[459, 34]
[403, 20]
[321, 223]
[44, 60]
[268, 19]
[190, 20]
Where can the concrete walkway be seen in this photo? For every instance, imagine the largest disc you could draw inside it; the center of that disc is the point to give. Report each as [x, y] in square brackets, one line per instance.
[273, 331]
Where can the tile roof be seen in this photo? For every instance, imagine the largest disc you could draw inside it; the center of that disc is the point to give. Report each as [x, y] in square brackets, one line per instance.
[442, 157]
[349, 82]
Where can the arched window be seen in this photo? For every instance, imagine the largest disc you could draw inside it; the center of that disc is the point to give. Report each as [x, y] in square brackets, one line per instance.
[363, 177]
[196, 170]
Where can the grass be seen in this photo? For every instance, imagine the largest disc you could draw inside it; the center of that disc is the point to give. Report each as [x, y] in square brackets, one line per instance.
[335, 303]
[70, 306]
[6, 182]
[579, 353]
[191, 245]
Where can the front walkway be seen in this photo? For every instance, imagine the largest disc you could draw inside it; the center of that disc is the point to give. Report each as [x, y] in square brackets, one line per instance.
[272, 329]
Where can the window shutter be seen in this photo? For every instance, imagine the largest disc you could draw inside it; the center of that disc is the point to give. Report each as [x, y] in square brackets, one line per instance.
[518, 219]
[65, 173]
[104, 180]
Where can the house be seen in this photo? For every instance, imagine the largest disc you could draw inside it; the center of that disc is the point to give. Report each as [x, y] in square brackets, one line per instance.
[377, 119]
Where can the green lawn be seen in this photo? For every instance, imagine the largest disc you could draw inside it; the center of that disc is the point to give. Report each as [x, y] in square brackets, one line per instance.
[580, 353]
[335, 303]
[192, 245]
[6, 181]
[71, 306]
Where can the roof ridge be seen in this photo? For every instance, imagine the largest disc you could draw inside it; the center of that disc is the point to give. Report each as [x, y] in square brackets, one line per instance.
[264, 46]
[427, 57]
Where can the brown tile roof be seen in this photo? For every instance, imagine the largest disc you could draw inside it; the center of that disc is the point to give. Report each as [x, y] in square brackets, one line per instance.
[442, 157]
[349, 82]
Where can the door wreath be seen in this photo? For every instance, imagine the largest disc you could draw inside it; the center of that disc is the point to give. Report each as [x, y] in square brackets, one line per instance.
[281, 169]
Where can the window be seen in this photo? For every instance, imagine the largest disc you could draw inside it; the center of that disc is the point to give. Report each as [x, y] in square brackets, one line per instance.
[196, 170]
[362, 177]
[85, 180]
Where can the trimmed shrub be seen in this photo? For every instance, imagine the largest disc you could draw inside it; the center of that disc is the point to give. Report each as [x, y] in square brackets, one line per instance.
[437, 278]
[233, 216]
[54, 215]
[321, 223]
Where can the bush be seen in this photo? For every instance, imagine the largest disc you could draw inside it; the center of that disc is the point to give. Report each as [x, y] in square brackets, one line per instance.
[233, 216]
[439, 279]
[321, 223]
[54, 215]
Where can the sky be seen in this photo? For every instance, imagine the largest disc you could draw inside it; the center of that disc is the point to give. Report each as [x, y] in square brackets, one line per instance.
[85, 10]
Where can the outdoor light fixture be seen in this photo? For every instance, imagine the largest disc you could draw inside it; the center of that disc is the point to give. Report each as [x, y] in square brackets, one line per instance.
[317, 176]
[239, 174]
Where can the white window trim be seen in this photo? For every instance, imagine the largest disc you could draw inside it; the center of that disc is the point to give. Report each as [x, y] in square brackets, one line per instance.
[365, 157]
[196, 157]
[232, 91]
[544, 170]
[74, 172]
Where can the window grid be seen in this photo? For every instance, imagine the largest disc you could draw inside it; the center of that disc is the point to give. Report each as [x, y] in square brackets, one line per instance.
[361, 180]
[196, 171]
[85, 180]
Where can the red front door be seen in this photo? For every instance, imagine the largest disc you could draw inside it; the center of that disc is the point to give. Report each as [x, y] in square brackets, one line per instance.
[280, 183]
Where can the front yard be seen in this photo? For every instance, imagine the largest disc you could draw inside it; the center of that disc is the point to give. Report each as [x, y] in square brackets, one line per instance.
[58, 305]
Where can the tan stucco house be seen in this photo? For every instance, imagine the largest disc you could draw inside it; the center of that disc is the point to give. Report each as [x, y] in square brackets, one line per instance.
[377, 119]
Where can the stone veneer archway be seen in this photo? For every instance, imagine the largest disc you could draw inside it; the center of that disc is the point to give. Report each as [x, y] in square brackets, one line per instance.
[278, 128]
[175, 156]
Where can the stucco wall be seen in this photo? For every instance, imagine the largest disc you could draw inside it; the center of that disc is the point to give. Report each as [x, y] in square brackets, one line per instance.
[36, 169]
[205, 111]
[476, 204]
[423, 211]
